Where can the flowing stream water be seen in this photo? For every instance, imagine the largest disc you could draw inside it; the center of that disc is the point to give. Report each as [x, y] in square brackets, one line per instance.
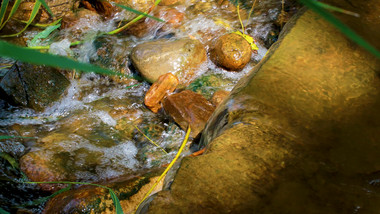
[91, 130]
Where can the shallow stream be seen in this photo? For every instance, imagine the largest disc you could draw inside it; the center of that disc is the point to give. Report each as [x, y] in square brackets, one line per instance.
[91, 134]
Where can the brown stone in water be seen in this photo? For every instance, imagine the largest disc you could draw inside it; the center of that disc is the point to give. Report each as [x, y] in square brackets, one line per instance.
[165, 84]
[37, 167]
[218, 97]
[71, 18]
[189, 108]
[142, 27]
[231, 51]
[183, 57]
[130, 192]
[167, 2]
[103, 8]
[172, 17]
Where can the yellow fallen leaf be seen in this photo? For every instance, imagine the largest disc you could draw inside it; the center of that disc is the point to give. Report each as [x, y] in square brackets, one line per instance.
[248, 38]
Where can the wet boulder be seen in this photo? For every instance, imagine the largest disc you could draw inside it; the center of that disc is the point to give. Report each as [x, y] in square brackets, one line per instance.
[300, 133]
[33, 86]
[70, 157]
[37, 166]
[231, 51]
[91, 199]
[218, 97]
[182, 57]
[165, 84]
[188, 108]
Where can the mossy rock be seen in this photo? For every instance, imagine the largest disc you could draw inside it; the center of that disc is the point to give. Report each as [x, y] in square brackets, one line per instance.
[207, 84]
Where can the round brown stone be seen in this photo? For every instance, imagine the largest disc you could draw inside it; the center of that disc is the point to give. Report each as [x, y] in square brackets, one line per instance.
[231, 51]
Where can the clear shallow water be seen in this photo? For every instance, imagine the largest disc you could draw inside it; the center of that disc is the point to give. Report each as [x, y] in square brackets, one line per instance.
[92, 127]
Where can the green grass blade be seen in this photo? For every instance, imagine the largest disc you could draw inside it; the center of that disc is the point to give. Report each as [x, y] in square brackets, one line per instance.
[118, 30]
[341, 26]
[43, 34]
[38, 58]
[4, 137]
[131, 86]
[46, 7]
[3, 211]
[116, 202]
[42, 25]
[10, 160]
[13, 11]
[138, 12]
[3, 9]
[337, 9]
[114, 198]
[36, 7]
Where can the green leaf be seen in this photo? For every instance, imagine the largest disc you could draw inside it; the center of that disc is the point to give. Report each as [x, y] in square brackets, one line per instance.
[116, 202]
[3, 9]
[341, 26]
[3, 211]
[337, 9]
[38, 58]
[36, 7]
[13, 11]
[10, 160]
[46, 7]
[2, 137]
[43, 25]
[43, 34]
[138, 12]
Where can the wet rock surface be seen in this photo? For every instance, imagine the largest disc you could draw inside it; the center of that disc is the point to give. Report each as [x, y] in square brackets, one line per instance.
[297, 134]
[38, 167]
[189, 109]
[98, 130]
[231, 51]
[208, 84]
[181, 57]
[168, 2]
[20, 85]
[165, 84]
[146, 26]
[130, 192]
[72, 18]
[218, 97]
